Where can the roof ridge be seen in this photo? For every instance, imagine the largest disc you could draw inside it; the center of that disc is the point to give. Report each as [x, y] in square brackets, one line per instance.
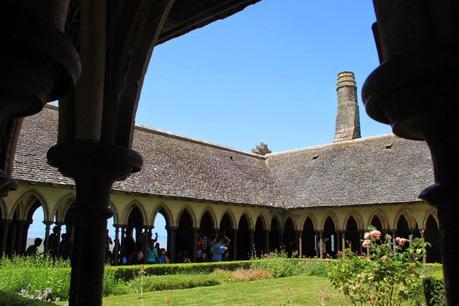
[158, 131]
[369, 138]
[194, 140]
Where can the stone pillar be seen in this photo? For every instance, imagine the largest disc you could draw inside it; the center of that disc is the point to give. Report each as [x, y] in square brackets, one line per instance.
[117, 245]
[299, 243]
[252, 251]
[21, 237]
[394, 243]
[94, 167]
[415, 91]
[321, 244]
[147, 239]
[46, 238]
[424, 258]
[343, 241]
[347, 118]
[362, 233]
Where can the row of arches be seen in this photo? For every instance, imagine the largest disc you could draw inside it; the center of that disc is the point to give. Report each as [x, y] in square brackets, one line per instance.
[247, 237]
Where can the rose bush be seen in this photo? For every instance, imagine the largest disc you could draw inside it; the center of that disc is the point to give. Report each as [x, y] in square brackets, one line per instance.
[389, 275]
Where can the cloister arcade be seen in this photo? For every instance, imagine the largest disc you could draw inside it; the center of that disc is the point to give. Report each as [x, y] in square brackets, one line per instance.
[250, 230]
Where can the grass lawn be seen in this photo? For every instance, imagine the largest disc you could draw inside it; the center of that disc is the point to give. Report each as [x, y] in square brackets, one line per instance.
[298, 290]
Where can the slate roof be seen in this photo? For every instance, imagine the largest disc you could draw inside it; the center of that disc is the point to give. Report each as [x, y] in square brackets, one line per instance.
[384, 169]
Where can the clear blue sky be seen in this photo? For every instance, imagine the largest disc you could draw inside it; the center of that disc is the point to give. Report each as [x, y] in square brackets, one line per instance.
[266, 74]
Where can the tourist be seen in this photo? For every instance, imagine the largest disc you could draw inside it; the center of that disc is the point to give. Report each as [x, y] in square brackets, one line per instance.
[218, 249]
[53, 242]
[65, 247]
[33, 249]
[163, 258]
[150, 257]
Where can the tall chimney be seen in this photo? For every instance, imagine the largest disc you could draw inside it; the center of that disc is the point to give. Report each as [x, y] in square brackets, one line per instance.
[347, 118]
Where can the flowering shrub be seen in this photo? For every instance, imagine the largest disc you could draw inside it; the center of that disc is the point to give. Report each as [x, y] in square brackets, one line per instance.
[390, 275]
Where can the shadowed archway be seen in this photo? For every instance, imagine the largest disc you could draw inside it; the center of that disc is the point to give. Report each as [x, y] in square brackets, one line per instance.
[185, 237]
[227, 233]
[290, 243]
[243, 240]
[275, 235]
[308, 239]
[432, 236]
[352, 235]
[260, 237]
[329, 243]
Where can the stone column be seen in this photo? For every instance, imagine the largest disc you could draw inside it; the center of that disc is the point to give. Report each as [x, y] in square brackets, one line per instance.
[299, 243]
[424, 258]
[415, 91]
[343, 241]
[21, 237]
[362, 233]
[252, 252]
[321, 244]
[94, 167]
[117, 245]
[46, 238]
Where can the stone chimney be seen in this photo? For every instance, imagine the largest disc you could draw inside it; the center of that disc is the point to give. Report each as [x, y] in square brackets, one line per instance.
[347, 118]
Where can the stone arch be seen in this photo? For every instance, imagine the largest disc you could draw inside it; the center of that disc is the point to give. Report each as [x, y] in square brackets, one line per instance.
[161, 208]
[128, 210]
[25, 208]
[231, 217]
[313, 220]
[357, 217]
[116, 215]
[190, 211]
[382, 216]
[309, 238]
[333, 217]
[63, 205]
[352, 234]
[260, 235]
[431, 213]
[249, 219]
[210, 211]
[244, 248]
[185, 235]
[402, 226]
[329, 236]
[275, 234]
[412, 222]
[432, 236]
[289, 236]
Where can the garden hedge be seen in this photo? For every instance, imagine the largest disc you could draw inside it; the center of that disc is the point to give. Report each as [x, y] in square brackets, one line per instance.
[434, 291]
[129, 272]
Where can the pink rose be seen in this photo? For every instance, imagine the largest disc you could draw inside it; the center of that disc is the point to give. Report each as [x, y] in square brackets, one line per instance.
[375, 234]
[367, 236]
[401, 241]
[366, 243]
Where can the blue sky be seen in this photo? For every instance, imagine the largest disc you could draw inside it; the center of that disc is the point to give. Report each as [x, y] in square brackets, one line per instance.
[266, 74]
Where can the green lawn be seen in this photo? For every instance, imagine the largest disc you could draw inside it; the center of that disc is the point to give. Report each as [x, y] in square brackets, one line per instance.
[298, 290]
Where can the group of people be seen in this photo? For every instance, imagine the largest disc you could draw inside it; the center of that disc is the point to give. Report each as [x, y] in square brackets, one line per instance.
[142, 250]
[216, 250]
[59, 246]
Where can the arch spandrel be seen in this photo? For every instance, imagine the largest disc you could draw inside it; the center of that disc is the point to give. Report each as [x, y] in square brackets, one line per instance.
[25, 202]
[333, 217]
[190, 211]
[431, 212]
[211, 212]
[357, 217]
[128, 209]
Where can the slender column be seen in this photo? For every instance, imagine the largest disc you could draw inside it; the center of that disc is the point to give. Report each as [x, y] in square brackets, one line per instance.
[362, 233]
[343, 241]
[321, 243]
[252, 251]
[235, 244]
[47, 230]
[147, 237]
[21, 233]
[299, 243]
[424, 258]
[394, 243]
[116, 248]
